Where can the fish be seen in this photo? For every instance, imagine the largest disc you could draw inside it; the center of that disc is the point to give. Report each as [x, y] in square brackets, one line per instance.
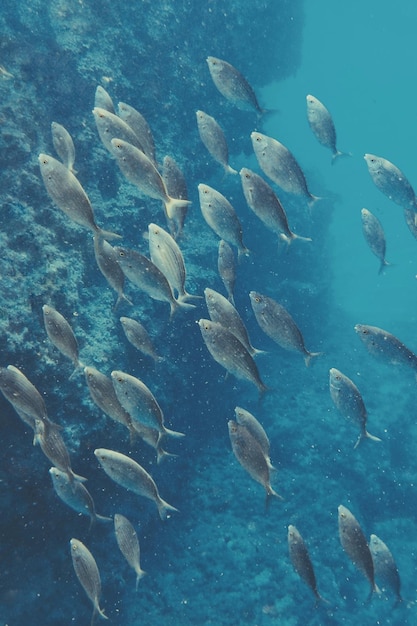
[232, 85]
[53, 446]
[277, 162]
[266, 205]
[226, 266]
[386, 347]
[385, 566]
[227, 350]
[212, 136]
[322, 125]
[145, 275]
[128, 474]
[278, 324]
[128, 543]
[138, 336]
[222, 311]
[22, 395]
[348, 400]
[140, 171]
[391, 181]
[374, 237]
[244, 418]
[110, 126]
[355, 545]
[67, 193]
[86, 570]
[108, 264]
[410, 220]
[301, 560]
[75, 495]
[102, 100]
[137, 399]
[176, 187]
[140, 127]
[166, 254]
[221, 217]
[63, 145]
[251, 457]
[152, 437]
[61, 334]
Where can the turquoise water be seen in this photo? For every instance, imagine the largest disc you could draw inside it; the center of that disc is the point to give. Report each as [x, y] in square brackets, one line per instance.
[222, 559]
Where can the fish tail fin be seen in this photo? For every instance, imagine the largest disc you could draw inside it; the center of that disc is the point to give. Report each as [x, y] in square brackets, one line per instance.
[257, 352]
[178, 304]
[383, 265]
[172, 203]
[162, 454]
[97, 611]
[312, 200]
[366, 435]
[229, 170]
[103, 518]
[72, 477]
[139, 575]
[171, 433]
[243, 251]
[121, 297]
[164, 509]
[319, 598]
[231, 299]
[188, 296]
[290, 238]
[107, 235]
[309, 356]
[336, 155]
[271, 493]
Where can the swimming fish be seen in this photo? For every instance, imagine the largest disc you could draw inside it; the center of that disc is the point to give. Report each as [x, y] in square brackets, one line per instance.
[140, 127]
[53, 446]
[108, 264]
[227, 350]
[140, 171]
[244, 418]
[374, 236]
[222, 311]
[137, 399]
[61, 334]
[212, 136]
[251, 457]
[266, 205]
[67, 193]
[221, 217]
[138, 336]
[226, 266]
[301, 560]
[176, 188]
[232, 85]
[126, 472]
[321, 123]
[75, 495]
[385, 566]
[63, 145]
[86, 570]
[355, 545]
[23, 395]
[102, 100]
[110, 126]
[128, 543]
[391, 181]
[278, 324]
[349, 402]
[385, 346]
[277, 162]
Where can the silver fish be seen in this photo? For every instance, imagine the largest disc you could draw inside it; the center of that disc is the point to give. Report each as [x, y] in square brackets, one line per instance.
[53, 446]
[355, 545]
[67, 193]
[137, 399]
[61, 334]
[75, 495]
[385, 346]
[244, 418]
[176, 188]
[102, 100]
[301, 560]
[385, 566]
[226, 266]
[232, 85]
[277, 162]
[266, 205]
[349, 402]
[140, 171]
[140, 127]
[321, 123]
[391, 181]
[221, 217]
[222, 311]
[230, 353]
[86, 570]
[128, 543]
[138, 336]
[63, 145]
[108, 264]
[110, 126]
[374, 236]
[212, 136]
[278, 324]
[251, 457]
[23, 395]
[126, 472]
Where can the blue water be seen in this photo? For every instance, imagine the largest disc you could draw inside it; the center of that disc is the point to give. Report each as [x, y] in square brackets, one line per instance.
[222, 560]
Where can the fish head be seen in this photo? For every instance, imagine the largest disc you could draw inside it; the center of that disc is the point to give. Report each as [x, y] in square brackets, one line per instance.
[256, 299]
[373, 162]
[259, 141]
[335, 378]
[233, 427]
[214, 64]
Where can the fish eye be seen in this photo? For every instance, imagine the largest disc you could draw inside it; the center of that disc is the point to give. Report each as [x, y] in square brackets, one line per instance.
[257, 299]
[247, 176]
[121, 253]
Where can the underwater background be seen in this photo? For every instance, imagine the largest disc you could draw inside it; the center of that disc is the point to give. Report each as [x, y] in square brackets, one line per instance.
[222, 559]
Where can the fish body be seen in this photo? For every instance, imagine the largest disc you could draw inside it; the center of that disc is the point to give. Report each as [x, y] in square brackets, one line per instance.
[49, 437]
[86, 570]
[244, 418]
[226, 266]
[110, 126]
[126, 472]
[385, 566]
[176, 188]
[374, 236]
[385, 346]
[138, 336]
[278, 324]
[23, 395]
[212, 136]
[108, 264]
[227, 350]
[232, 85]
[391, 181]
[266, 205]
[128, 543]
[322, 125]
[63, 145]
[104, 396]
[221, 217]
[102, 100]
[301, 560]
[61, 334]
[349, 402]
[75, 495]
[355, 545]
[277, 162]
[140, 127]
